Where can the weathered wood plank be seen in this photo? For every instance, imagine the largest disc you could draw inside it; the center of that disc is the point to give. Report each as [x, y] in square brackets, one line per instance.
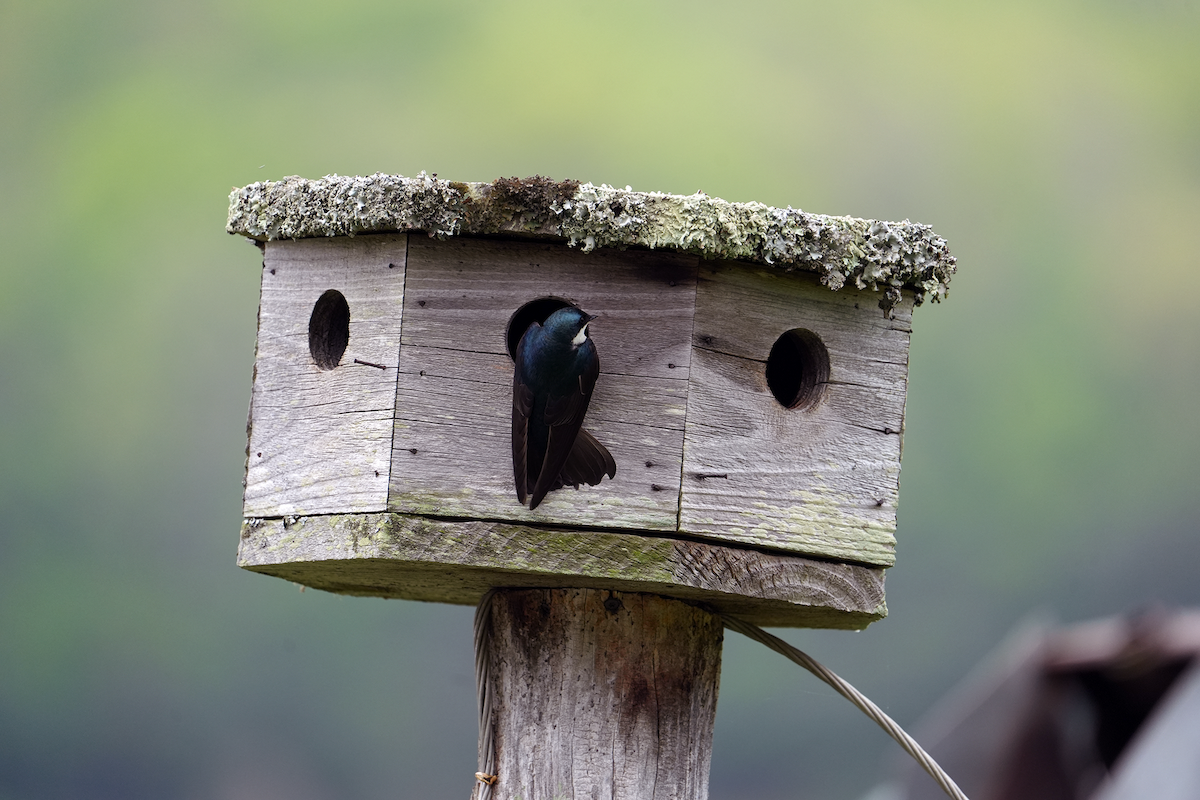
[419, 558]
[602, 695]
[742, 309]
[821, 481]
[453, 455]
[455, 386]
[650, 402]
[320, 440]
[461, 293]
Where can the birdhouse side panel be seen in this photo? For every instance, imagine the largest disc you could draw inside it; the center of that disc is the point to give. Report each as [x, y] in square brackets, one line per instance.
[321, 434]
[452, 444]
[821, 478]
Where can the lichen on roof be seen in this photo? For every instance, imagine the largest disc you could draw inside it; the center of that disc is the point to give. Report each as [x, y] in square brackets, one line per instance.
[885, 256]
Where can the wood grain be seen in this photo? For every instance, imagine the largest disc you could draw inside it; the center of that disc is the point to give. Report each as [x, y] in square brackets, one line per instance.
[420, 558]
[602, 695]
[822, 481]
[320, 440]
[452, 454]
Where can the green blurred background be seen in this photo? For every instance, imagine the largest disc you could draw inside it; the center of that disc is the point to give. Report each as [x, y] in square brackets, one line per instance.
[1053, 420]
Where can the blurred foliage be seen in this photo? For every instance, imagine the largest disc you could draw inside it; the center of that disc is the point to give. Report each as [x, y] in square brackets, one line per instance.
[1050, 452]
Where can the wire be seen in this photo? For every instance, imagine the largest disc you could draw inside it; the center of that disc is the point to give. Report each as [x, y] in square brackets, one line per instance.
[854, 696]
[486, 776]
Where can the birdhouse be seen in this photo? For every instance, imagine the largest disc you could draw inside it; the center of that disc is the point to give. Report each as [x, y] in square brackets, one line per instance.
[751, 386]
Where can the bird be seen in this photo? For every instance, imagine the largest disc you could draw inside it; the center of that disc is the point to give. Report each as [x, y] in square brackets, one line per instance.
[555, 372]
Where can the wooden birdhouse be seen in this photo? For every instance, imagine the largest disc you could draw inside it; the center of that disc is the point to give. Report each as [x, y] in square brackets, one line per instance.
[749, 399]
[753, 370]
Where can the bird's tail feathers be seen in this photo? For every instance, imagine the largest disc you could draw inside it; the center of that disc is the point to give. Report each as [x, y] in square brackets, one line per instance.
[588, 462]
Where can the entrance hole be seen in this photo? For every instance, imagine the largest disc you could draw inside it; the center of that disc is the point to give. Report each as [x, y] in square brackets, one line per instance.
[329, 329]
[533, 311]
[798, 369]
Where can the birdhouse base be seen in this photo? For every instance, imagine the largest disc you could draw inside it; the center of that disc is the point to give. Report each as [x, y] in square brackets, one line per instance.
[422, 558]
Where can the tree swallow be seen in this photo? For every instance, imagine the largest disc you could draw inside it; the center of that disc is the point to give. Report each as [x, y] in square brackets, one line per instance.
[556, 370]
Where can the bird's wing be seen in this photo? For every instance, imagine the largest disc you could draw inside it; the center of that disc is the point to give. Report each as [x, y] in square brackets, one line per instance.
[564, 418]
[521, 409]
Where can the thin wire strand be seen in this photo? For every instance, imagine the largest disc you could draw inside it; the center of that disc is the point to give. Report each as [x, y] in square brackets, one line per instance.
[483, 691]
[854, 696]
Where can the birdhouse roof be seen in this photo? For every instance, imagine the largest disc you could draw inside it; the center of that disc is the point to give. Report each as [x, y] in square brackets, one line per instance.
[885, 256]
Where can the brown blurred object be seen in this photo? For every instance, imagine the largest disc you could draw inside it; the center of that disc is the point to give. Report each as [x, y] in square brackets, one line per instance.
[1102, 710]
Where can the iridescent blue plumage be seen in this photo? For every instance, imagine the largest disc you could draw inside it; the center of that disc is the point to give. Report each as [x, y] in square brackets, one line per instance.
[556, 370]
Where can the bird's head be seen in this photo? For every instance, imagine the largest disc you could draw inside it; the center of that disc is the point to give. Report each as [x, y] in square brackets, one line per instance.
[568, 324]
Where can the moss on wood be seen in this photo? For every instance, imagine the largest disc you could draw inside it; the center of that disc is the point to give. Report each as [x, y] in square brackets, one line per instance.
[885, 256]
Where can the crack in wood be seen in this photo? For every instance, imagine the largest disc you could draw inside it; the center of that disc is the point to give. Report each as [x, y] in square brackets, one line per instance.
[762, 361]
[442, 347]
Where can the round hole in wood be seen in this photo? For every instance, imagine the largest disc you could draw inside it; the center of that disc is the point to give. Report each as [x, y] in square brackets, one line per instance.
[329, 329]
[533, 311]
[798, 369]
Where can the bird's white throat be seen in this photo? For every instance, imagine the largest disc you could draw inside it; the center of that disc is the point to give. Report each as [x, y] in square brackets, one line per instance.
[579, 337]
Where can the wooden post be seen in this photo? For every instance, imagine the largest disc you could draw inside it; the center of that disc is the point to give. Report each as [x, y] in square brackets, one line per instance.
[602, 694]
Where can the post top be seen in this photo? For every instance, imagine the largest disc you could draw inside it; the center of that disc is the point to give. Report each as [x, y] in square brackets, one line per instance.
[842, 250]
